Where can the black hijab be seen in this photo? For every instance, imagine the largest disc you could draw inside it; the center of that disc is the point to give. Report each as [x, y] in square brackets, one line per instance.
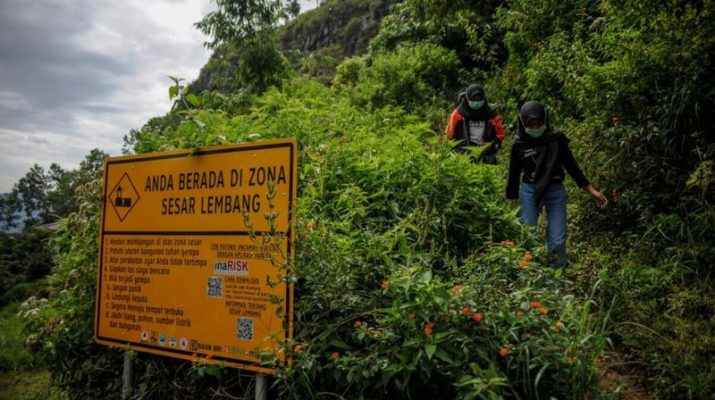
[483, 113]
[546, 161]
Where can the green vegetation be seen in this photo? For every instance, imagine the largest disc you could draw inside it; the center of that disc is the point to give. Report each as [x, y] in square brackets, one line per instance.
[413, 277]
[18, 379]
[14, 355]
[28, 385]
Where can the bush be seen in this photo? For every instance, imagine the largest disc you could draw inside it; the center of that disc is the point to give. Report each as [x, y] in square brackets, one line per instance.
[629, 83]
[14, 355]
[414, 77]
[389, 222]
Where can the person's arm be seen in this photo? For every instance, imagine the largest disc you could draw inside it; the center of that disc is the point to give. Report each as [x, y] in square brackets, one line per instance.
[573, 169]
[498, 125]
[512, 183]
[453, 125]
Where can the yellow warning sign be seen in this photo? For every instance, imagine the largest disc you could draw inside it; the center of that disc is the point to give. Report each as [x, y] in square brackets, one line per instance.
[194, 249]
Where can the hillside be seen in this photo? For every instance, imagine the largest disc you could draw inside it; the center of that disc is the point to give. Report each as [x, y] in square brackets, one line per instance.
[414, 275]
[331, 32]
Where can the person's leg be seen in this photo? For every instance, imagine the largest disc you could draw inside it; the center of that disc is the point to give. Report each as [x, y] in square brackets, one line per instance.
[529, 213]
[555, 203]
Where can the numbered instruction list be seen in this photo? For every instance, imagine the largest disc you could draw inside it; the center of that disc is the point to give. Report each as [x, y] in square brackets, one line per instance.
[141, 301]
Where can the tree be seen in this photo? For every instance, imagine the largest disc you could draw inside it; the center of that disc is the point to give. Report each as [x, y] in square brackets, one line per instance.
[9, 210]
[32, 191]
[42, 196]
[249, 26]
[236, 21]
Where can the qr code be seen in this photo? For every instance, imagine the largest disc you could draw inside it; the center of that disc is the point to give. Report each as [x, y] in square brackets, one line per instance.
[244, 328]
[215, 288]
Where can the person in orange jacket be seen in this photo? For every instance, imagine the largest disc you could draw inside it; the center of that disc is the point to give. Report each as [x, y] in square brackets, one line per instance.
[474, 123]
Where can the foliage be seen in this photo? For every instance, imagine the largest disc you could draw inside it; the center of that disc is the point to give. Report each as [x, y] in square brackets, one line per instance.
[413, 76]
[28, 385]
[629, 83]
[381, 199]
[42, 196]
[393, 227]
[467, 28]
[237, 21]
[248, 28]
[262, 65]
[14, 355]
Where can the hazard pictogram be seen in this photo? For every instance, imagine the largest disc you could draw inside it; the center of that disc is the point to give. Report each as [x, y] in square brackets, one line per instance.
[124, 197]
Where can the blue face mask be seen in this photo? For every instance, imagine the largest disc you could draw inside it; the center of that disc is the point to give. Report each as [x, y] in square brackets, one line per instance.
[535, 133]
[475, 105]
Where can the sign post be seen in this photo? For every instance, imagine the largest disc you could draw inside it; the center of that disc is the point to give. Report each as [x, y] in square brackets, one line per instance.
[194, 251]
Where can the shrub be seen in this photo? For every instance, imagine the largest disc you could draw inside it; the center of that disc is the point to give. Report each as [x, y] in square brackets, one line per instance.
[413, 76]
[389, 222]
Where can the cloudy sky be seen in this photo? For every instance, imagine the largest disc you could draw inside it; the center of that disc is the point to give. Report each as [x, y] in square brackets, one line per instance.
[79, 74]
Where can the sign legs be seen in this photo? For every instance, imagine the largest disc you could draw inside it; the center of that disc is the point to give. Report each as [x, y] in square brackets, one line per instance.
[128, 375]
[261, 389]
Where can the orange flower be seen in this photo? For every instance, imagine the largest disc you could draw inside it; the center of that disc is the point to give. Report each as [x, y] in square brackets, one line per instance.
[335, 354]
[298, 348]
[559, 326]
[385, 285]
[477, 317]
[428, 328]
[523, 263]
[502, 243]
[357, 324]
[535, 304]
[543, 311]
[466, 311]
[504, 352]
[520, 313]
[528, 256]
[309, 225]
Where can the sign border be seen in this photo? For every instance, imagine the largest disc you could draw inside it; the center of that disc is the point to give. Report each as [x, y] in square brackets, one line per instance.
[290, 143]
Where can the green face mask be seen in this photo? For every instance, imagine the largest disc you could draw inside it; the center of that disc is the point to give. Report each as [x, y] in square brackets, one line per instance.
[536, 132]
[475, 105]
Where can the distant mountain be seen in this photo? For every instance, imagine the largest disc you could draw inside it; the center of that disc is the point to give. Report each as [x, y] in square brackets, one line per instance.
[346, 25]
[335, 30]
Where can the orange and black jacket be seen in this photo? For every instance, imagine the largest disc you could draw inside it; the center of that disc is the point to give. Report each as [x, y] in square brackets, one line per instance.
[458, 129]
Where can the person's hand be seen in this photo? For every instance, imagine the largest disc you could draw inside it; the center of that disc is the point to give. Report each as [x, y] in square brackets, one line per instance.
[598, 197]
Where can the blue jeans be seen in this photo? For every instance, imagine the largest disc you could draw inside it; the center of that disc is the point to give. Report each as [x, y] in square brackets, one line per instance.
[554, 201]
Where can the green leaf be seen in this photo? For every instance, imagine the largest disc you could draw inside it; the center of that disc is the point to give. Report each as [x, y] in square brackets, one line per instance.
[336, 342]
[540, 374]
[173, 91]
[427, 276]
[430, 349]
[444, 356]
[192, 99]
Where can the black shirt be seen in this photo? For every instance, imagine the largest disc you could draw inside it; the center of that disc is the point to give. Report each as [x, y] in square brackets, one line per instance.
[524, 156]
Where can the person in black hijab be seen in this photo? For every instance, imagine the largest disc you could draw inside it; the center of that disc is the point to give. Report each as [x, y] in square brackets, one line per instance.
[474, 123]
[539, 156]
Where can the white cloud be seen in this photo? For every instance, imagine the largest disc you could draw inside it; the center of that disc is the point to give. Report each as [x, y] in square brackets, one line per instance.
[78, 75]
